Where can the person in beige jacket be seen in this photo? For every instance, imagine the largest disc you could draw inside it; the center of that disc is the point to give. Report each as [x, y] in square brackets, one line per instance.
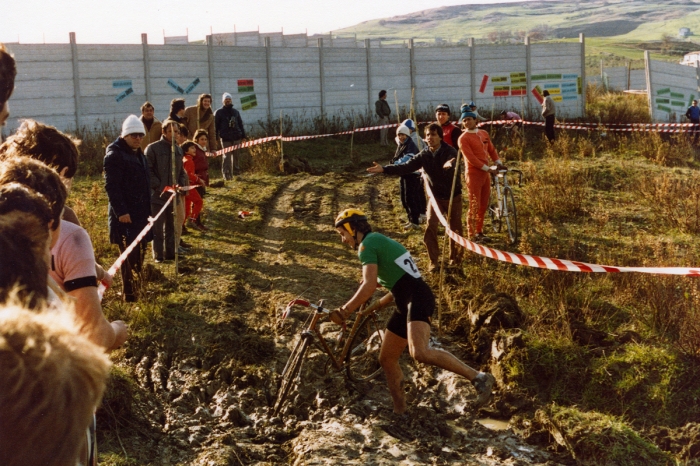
[153, 127]
[201, 116]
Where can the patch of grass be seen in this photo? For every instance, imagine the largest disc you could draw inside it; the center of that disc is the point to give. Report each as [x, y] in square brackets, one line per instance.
[595, 438]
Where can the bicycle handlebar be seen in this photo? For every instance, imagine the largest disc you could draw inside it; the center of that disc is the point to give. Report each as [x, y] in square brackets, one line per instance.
[503, 171]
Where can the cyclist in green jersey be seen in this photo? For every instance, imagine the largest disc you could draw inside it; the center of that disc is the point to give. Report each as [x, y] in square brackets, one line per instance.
[388, 263]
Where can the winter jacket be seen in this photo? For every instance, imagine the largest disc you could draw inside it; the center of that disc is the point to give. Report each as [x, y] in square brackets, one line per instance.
[381, 107]
[160, 168]
[439, 178]
[229, 125]
[127, 182]
[404, 150]
[205, 121]
[152, 135]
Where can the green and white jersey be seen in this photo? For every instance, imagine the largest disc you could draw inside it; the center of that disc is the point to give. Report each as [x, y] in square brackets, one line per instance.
[392, 259]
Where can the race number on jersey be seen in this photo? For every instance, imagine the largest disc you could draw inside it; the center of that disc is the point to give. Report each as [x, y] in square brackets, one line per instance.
[406, 262]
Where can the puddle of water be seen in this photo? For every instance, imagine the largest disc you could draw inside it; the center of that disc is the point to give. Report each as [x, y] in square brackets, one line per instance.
[493, 424]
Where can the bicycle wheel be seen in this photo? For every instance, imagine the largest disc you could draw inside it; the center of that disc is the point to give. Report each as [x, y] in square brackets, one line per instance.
[495, 210]
[511, 215]
[291, 369]
[362, 361]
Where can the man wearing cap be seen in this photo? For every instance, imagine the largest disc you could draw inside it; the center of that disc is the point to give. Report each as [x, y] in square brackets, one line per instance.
[477, 148]
[230, 131]
[410, 187]
[127, 183]
[449, 130]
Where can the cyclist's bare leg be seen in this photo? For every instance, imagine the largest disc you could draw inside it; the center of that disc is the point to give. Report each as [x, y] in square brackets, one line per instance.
[392, 347]
[419, 347]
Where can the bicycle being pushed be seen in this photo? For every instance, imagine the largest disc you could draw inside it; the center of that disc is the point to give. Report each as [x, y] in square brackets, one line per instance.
[356, 351]
[502, 203]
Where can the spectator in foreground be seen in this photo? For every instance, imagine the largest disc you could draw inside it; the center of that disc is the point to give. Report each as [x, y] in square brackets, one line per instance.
[438, 162]
[201, 116]
[52, 382]
[57, 150]
[8, 72]
[229, 132]
[128, 189]
[151, 124]
[73, 259]
[383, 111]
[25, 245]
[548, 113]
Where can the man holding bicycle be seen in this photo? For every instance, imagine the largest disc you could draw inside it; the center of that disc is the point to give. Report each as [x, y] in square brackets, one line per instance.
[477, 148]
[388, 263]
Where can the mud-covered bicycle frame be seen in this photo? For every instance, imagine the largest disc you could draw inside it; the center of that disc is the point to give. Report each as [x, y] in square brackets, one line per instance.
[312, 329]
[359, 368]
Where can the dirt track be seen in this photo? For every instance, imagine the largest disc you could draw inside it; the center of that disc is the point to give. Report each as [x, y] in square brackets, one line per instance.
[215, 410]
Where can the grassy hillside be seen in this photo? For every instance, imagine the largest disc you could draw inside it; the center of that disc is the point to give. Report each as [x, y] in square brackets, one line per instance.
[634, 20]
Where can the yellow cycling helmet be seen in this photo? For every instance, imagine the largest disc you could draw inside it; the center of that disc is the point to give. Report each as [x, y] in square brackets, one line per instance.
[347, 216]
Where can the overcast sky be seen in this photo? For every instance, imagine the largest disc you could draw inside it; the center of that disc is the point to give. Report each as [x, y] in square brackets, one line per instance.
[123, 21]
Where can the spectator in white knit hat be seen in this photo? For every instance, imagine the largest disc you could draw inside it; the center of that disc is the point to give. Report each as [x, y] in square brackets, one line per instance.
[127, 183]
[229, 131]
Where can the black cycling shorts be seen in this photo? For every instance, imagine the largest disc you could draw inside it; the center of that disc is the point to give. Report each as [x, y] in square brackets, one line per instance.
[415, 302]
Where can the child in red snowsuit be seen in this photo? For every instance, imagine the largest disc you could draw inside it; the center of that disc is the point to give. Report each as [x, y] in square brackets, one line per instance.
[193, 201]
[477, 148]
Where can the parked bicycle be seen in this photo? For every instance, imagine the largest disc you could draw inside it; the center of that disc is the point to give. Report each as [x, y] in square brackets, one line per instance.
[356, 350]
[502, 203]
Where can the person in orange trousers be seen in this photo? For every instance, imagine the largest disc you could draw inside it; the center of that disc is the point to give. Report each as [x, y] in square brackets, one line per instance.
[477, 148]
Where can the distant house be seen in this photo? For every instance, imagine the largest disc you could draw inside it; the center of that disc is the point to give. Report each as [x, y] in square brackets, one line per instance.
[684, 32]
[691, 59]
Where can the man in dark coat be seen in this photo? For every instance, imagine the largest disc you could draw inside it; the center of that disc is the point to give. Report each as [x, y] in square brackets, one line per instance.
[127, 182]
[229, 131]
[438, 161]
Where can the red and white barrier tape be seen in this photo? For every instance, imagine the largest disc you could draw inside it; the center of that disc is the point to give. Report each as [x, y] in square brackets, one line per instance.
[122, 258]
[548, 262]
[613, 127]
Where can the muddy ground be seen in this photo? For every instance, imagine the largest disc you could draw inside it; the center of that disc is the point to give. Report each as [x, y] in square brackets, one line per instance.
[196, 385]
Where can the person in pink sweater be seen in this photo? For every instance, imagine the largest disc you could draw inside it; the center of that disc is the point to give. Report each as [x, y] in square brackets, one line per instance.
[477, 148]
